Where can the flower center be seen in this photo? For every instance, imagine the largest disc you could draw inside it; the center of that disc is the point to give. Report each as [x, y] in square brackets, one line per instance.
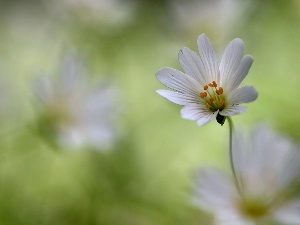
[57, 114]
[253, 208]
[213, 96]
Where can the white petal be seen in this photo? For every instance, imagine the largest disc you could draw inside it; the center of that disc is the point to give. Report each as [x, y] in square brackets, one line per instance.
[197, 112]
[214, 191]
[206, 118]
[44, 90]
[209, 58]
[233, 110]
[261, 176]
[241, 72]
[72, 74]
[291, 168]
[178, 81]
[232, 220]
[243, 95]
[289, 214]
[284, 166]
[230, 61]
[192, 112]
[179, 98]
[192, 65]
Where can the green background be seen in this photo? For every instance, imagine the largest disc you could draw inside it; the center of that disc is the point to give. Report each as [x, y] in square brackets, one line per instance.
[148, 177]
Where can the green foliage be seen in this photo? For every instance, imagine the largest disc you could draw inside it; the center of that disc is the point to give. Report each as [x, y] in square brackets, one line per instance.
[147, 178]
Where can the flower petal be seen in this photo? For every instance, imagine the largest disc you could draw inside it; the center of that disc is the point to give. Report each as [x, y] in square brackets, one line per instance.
[290, 213]
[261, 176]
[197, 112]
[192, 112]
[179, 98]
[241, 72]
[71, 75]
[178, 81]
[206, 118]
[192, 65]
[209, 58]
[233, 110]
[214, 191]
[230, 61]
[232, 219]
[44, 90]
[243, 95]
[278, 172]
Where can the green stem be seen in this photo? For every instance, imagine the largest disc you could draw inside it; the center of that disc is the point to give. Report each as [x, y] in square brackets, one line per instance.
[237, 183]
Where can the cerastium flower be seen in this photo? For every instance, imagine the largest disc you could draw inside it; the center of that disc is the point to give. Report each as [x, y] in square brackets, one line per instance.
[73, 113]
[208, 89]
[267, 170]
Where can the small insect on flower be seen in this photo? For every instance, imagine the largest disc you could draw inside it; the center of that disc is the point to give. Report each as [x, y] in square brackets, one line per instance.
[265, 190]
[208, 89]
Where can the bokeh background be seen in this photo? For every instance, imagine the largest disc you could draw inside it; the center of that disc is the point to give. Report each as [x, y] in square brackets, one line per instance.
[147, 177]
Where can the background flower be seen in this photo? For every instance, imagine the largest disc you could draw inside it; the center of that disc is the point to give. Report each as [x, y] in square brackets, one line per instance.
[268, 171]
[72, 113]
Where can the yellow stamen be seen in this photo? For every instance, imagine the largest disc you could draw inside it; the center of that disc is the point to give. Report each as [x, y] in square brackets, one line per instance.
[220, 90]
[213, 96]
[221, 102]
[203, 94]
[213, 84]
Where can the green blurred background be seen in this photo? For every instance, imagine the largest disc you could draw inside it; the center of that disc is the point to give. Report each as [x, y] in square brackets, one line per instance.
[148, 177]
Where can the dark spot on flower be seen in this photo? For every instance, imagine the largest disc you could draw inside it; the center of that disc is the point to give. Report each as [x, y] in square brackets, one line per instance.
[221, 119]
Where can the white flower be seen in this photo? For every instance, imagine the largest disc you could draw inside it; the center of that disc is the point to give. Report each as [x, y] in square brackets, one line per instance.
[267, 169]
[72, 112]
[208, 89]
[108, 12]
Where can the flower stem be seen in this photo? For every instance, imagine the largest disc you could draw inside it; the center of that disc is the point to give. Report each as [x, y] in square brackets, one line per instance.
[231, 128]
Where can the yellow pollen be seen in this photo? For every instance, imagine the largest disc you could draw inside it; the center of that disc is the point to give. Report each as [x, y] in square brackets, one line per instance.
[203, 94]
[205, 87]
[207, 106]
[221, 102]
[211, 99]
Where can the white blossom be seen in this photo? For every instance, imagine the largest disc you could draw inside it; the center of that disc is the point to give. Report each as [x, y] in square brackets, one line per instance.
[268, 172]
[74, 113]
[208, 89]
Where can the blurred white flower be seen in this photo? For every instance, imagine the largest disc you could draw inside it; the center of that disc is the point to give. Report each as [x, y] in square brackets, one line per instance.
[74, 113]
[267, 169]
[216, 15]
[208, 89]
[112, 12]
